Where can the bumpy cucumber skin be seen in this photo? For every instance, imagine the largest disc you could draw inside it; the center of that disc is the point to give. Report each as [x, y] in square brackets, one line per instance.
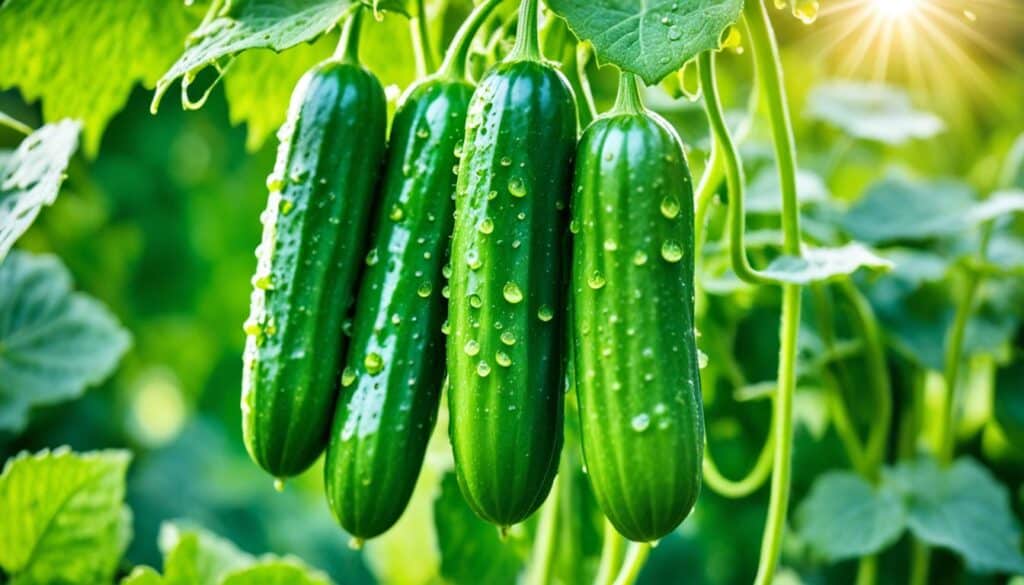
[311, 254]
[391, 385]
[634, 346]
[509, 270]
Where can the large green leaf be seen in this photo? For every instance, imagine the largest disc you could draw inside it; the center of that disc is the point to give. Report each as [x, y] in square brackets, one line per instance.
[652, 38]
[822, 264]
[31, 177]
[277, 572]
[845, 517]
[900, 209]
[82, 59]
[872, 111]
[53, 342]
[961, 507]
[250, 24]
[63, 516]
[194, 555]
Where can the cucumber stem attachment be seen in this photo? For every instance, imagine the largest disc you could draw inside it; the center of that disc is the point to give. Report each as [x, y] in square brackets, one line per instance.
[636, 556]
[454, 64]
[348, 44]
[422, 49]
[527, 47]
[628, 100]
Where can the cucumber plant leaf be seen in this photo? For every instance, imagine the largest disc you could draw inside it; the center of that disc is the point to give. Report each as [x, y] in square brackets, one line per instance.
[244, 25]
[963, 508]
[277, 572]
[53, 342]
[822, 264]
[764, 195]
[82, 59]
[64, 518]
[899, 209]
[31, 177]
[845, 517]
[872, 111]
[651, 39]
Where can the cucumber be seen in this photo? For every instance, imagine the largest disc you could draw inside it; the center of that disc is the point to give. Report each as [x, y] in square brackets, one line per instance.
[634, 346]
[391, 385]
[311, 254]
[509, 270]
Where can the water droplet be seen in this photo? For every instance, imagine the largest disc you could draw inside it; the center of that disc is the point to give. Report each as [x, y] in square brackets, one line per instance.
[473, 259]
[640, 258]
[670, 207]
[396, 213]
[472, 347]
[348, 376]
[544, 313]
[516, 187]
[610, 245]
[396, 319]
[422, 133]
[446, 270]
[574, 226]
[806, 10]
[506, 161]
[286, 206]
[371, 257]
[702, 359]
[424, 289]
[275, 182]
[483, 369]
[674, 33]
[446, 291]
[502, 359]
[671, 251]
[374, 362]
[486, 226]
[508, 338]
[596, 280]
[475, 301]
[492, 194]
[512, 293]
[446, 327]
[640, 422]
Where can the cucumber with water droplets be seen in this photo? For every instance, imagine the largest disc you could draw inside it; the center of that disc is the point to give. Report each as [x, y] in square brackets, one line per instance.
[505, 350]
[391, 384]
[634, 346]
[321, 194]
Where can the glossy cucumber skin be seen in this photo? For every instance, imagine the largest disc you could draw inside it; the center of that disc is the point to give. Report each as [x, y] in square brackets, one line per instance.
[509, 270]
[310, 257]
[634, 346]
[391, 385]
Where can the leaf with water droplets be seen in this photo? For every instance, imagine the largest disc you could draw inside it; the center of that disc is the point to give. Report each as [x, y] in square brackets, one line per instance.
[652, 39]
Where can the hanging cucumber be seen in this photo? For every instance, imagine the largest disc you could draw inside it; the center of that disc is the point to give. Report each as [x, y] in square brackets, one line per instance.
[633, 326]
[391, 384]
[321, 194]
[505, 350]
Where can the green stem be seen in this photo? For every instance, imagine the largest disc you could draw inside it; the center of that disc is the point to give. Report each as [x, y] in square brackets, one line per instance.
[455, 58]
[527, 47]
[867, 570]
[348, 44]
[581, 84]
[954, 350]
[710, 180]
[741, 488]
[920, 560]
[15, 125]
[734, 178]
[628, 100]
[878, 374]
[769, 72]
[636, 556]
[422, 50]
[612, 550]
[544, 544]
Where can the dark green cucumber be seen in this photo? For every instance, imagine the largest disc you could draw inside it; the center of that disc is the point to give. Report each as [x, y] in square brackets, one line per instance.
[505, 349]
[634, 347]
[391, 385]
[321, 195]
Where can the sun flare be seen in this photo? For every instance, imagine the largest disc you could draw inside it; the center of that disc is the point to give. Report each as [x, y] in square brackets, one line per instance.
[896, 8]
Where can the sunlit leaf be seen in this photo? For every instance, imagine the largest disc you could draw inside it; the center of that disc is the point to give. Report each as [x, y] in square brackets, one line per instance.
[651, 39]
[194, 555]
[82, 59]
[276, 572]
[961, 507]
[252, 24]
[899, 209]
[872, 111]
[31, 177]
[765, 196]
[845, 517]
[53, 342]
[821, 264]
[64, 520]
